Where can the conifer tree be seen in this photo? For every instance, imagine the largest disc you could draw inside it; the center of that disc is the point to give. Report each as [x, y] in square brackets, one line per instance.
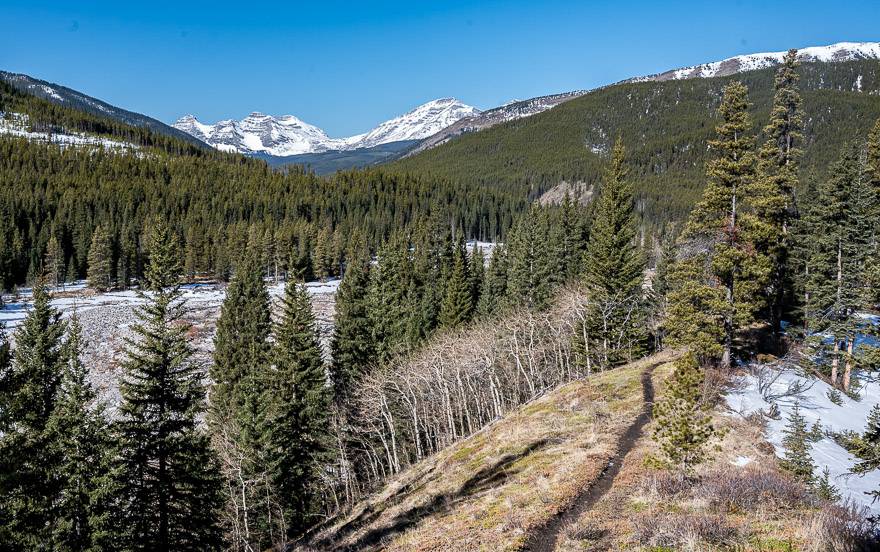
[613, 273]
[389, 300]
[457, 305]
[719, 279]
[81, 440]
[796, 443]
[28, 392]
[168, 475]
[352, 348]
[872, 177]
[477, 275]
[837, 227]
[868, 448]
[53, 263]
[825, 489]
[100, 274]
[299, 421]
[494, 283]
[683, 425]
[241, 345]
[530, 276]
[772, 193]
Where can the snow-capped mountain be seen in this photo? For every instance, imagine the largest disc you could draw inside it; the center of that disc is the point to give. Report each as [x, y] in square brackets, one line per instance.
[288, 135]
[842, 51]
[421, 122]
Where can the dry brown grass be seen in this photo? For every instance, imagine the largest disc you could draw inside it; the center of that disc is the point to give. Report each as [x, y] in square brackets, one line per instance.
[491, 490]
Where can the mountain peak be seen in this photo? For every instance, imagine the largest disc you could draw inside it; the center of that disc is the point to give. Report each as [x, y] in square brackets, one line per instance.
[288, 135]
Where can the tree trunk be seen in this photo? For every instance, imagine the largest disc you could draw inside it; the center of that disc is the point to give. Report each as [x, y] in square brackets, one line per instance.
[847, 371]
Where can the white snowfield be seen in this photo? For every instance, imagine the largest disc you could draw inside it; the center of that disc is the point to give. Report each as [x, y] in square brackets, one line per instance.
[815, 406]
[288, 135]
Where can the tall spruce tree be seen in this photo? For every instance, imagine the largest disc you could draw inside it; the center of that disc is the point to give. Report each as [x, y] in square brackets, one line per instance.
[239, 408]
[494, 283]
[720, 277]
[241, 344]
[352, 348]
[29, 478]
[772, 193]
[477, 275]
[613, 274]
[457, 306]
[53, 263]
[837, 227]
[299, 421]
[100, 273]
[389, 297]
[82, 441]
[872, 178]
[168, 475]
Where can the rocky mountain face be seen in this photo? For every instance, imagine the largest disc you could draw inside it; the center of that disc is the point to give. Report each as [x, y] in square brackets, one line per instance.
[287, 135]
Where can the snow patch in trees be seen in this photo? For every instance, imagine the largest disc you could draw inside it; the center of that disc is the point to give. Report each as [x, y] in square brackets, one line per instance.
[763, 388]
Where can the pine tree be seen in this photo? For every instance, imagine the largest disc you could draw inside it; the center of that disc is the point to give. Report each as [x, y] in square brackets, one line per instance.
[457, 306]
[773, 191]
[352, 348]
[494, 283]
[477, 274]
[719, 279]
[837, 227]
[299, 421]
[53, 263]
[796, 443]
[168, 475]
[100, 274]
[613, 273]
[825, 489]
[389, 297]
[868, 448]
[241, 344]
[872, 178]
[28, 392]
[81, 439]
[683, 425]
[530, 275]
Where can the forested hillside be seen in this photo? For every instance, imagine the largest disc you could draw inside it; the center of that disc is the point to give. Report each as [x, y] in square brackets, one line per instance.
[217, 202]
[664, 126]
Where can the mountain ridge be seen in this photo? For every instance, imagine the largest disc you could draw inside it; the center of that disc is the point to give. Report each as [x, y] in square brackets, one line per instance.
[287, 135]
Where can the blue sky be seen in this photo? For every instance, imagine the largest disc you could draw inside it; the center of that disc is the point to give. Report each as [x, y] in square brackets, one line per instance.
[346, 66]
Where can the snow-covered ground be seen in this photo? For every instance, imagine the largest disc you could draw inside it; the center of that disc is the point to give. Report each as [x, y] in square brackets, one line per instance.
[107, 318]
[15, 124]
[815, 406]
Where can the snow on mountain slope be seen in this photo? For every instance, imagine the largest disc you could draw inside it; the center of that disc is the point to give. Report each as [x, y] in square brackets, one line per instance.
[288, 135]
[841, 51]
[421, 122]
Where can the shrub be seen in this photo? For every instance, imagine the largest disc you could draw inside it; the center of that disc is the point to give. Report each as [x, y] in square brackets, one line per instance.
[685, 530]
[750, 489]
[842, 528]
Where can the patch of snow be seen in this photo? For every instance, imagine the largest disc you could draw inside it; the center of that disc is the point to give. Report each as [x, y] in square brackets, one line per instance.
[742, 461]
[16, 125]
[816, 406]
